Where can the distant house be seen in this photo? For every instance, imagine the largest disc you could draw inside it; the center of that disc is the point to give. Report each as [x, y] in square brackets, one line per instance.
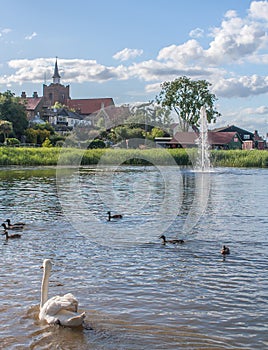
[223, 140]
[33, 105]
[165, 142]
[89, 106]
[250, 140]
[63, 120]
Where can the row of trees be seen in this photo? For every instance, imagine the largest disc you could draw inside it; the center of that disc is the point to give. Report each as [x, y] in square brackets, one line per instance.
[183, 96]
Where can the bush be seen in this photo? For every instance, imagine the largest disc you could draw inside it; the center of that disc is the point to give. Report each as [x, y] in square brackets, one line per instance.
[96, 144]
[12, 141]
[47, 143]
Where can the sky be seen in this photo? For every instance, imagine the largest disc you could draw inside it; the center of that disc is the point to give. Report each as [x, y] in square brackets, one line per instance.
[125, 49]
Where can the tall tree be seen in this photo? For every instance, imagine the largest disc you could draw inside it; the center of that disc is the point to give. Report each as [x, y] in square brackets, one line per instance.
[12, 110]
[186, 97]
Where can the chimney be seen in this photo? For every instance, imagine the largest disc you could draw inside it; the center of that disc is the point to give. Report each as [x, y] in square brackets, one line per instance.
[23, 94]
[35, 95]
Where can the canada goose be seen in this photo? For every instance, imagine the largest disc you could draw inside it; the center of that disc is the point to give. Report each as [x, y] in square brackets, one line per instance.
[12, 227]
[14, 235]
[60, 310]
[116, 216]
[172, 241]
[225, 250]
[9, 225]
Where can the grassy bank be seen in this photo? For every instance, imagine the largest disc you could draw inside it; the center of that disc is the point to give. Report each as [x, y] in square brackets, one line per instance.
[71, 156]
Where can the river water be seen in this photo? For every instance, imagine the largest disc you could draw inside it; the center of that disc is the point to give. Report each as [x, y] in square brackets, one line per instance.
[136, 292]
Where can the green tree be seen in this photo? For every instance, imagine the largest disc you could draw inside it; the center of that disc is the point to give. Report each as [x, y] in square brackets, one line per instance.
[186, 97]
[155, 132]
[12, 110]
[5, 128]
[36, 136]
[150, 115]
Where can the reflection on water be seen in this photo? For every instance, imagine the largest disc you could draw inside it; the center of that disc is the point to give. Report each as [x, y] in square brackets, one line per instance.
[137, 293]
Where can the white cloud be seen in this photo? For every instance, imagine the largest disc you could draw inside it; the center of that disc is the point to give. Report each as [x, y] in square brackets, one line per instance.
[189, 52]
[259, 10]
[74, 70]
[30, 37]
[230, 14]
[155, 88]
[4, 31]
[261, 110]
[248, 118]
[127, 54]
[235, 40]
[196, 33]
[243, 86]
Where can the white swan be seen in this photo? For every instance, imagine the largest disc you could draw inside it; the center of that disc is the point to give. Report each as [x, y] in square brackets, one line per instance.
[60, 310]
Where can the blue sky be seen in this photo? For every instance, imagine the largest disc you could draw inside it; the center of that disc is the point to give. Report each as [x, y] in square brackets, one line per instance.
[126, 49]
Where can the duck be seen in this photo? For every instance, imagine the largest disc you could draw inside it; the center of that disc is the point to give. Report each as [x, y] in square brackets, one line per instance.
[225, 250]
[14, 235]
[58, 310]
[16, 224]
[116, 216]
[12, 227]
[172, 241]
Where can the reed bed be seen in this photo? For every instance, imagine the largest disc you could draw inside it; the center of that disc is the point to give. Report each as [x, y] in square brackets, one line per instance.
[28, 156]
[240, 159]
[53, 156]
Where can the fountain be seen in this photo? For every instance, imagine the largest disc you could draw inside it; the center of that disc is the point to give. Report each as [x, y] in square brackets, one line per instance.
[203, 145]
[202, 176]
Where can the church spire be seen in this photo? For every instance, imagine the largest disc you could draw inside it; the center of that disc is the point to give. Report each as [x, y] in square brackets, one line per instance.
[56, 76]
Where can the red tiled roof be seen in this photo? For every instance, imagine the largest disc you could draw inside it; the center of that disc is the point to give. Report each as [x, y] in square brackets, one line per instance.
[185, 138]
[117, 113]
[89, 105]
[214, 138]
[31, 102]
[221, 138]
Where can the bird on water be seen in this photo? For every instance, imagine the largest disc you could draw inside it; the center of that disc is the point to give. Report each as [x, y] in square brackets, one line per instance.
[171, 241]
[115, 216]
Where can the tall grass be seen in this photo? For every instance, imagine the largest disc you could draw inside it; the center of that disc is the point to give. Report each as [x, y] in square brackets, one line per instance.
[73, 156]
[28, 156]
[238, 158]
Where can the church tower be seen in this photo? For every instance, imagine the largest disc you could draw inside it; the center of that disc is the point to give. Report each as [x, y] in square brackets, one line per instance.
[56, 76]
[55, 92]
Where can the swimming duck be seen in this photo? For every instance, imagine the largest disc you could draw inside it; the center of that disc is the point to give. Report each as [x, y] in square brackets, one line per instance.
[14, 235]
[12, 227]
[116, 216]
[225, 250]
[172, 241]
[9, 225]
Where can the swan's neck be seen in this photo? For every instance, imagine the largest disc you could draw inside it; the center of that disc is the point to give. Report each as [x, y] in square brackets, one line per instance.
[44, 287]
